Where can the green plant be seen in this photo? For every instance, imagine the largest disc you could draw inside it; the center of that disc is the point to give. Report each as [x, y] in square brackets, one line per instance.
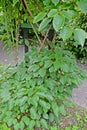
[34, 95]
[4, 127]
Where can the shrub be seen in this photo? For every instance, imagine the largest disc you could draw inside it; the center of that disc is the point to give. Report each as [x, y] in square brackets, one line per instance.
[35, 96]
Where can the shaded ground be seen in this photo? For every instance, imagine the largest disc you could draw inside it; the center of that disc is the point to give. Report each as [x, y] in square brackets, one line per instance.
[9, 56]
[79, 95]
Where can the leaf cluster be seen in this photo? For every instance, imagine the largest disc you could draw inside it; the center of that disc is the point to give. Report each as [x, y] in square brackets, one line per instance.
[35, 97]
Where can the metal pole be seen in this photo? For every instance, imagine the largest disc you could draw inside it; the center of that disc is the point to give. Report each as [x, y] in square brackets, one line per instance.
[25, 32]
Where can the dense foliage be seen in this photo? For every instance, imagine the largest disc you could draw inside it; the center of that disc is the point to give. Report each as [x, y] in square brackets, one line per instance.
[62, 16]
[34, 97]
[33, 94]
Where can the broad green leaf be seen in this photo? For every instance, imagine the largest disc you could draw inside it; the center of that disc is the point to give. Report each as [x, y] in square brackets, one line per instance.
[16, 126]
[10, 122]
[55, 2]
[55, 108]
[42, 72]
[68, 103]
[61, 89]
[34, 100]
[44, 23]
[63, 80]
[52, 13]
[70, 14]
[31, 125]
[33, 113]
[46, 2]
[66, 33]
[39, 17]
[51, 117]
[58, 22]
[50, 83]
[26, 42]
[23, 100]
[26, 25]
[33, 67]
[62, 110]
[47, 63]
[57, 64]
[51, 69]
[49, 97]
[44, 123]
[26, 120]
[45, 116]
[79, 36]
[38, 123]
[42, 103]
[5, 95]
[21, 125]
[83, 5]
[65, 67]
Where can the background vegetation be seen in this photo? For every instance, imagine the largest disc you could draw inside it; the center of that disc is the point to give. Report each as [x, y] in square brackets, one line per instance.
[34, 93]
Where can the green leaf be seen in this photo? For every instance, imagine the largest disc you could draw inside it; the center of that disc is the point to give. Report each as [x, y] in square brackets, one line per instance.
[26, 120]
[70, 14]
[16, 126]
[42, 103]
[68, 103]
[44, 123]
[58, 22]
[51, 69]
[61, 89]
[34, 100]
[23, 100]
[47, 64]
[65, 67]
[5, 95]
[21, 125]
[31, 124]
[79, 36]
[33, 113]
[44, 23]
[50, 83]
[62, 110]
[26, 42]
[42, 72]
[45, 116]
[39, 17]
[55, 2]
[57, 65]
[83, 5]
[55, 108]
[51, 117]
[10, 122]
[52, 13]
[38, 123]
[66, 33]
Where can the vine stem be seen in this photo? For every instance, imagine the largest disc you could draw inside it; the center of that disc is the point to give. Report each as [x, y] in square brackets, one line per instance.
[31, 23]
[45, 35]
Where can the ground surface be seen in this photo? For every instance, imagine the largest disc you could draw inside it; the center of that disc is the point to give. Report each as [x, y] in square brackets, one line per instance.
[79, 95]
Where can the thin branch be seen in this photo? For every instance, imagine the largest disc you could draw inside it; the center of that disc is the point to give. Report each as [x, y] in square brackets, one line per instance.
[31, 23]
[42, 45]
[30, 13]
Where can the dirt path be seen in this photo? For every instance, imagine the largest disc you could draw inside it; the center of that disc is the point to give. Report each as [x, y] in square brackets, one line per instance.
[79, 95]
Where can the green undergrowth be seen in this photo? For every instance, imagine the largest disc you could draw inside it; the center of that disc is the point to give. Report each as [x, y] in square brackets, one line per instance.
[33, 94]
